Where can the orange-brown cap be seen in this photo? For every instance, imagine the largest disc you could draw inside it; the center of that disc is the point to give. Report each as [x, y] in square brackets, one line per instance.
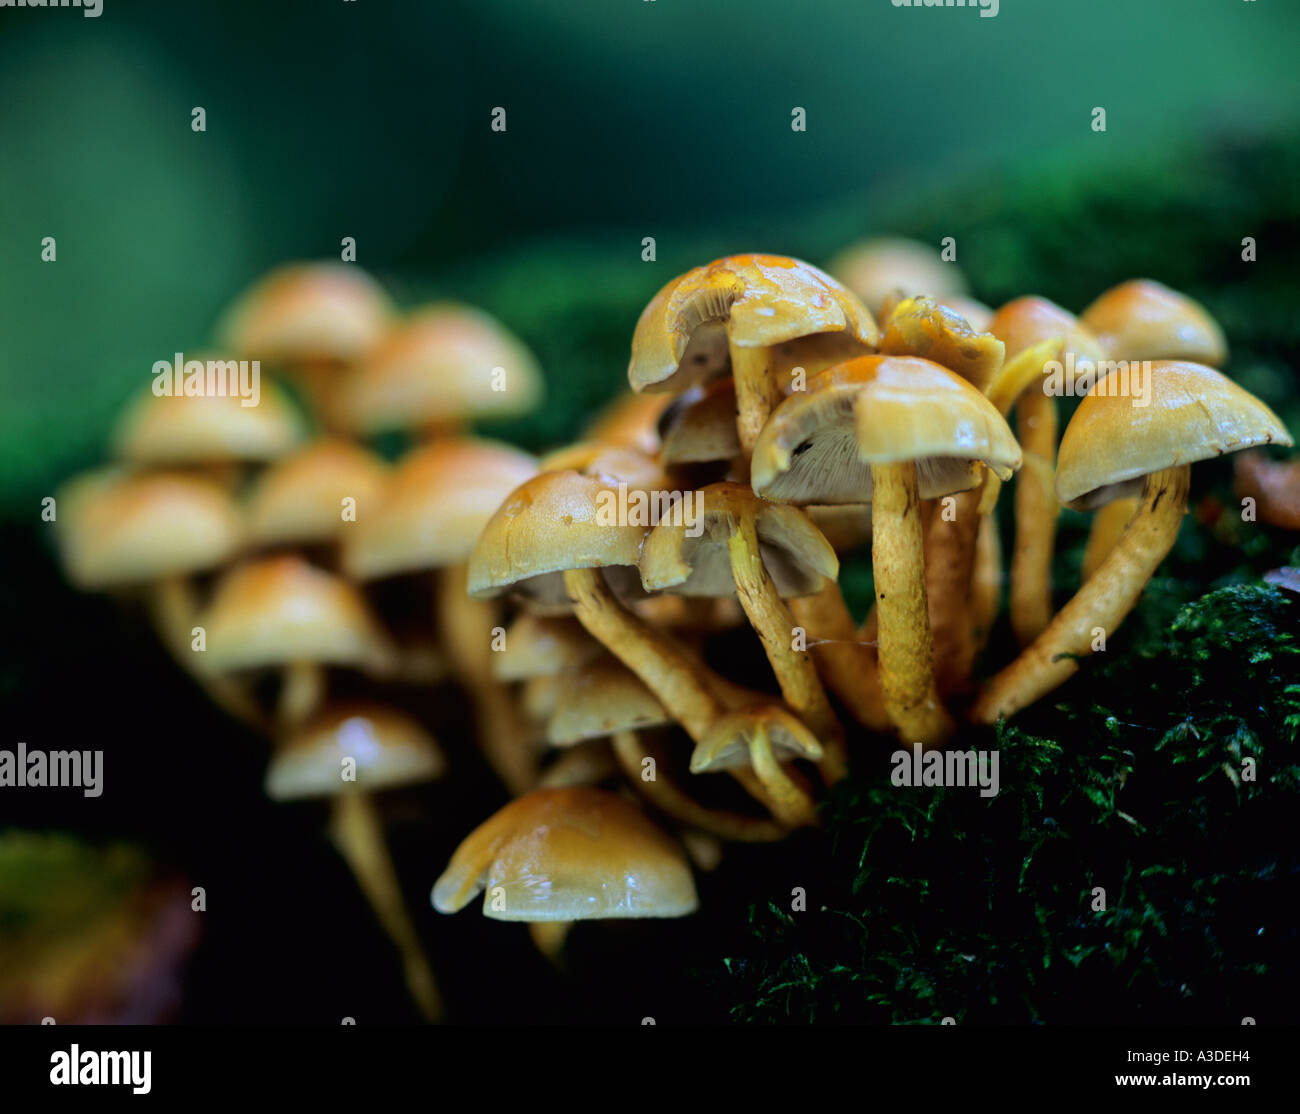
[1029, 320]
[599, 699]
[1145, 320]
[301, 498]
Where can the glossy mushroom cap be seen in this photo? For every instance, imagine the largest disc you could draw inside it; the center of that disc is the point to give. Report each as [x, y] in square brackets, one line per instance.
[207, 429]
[923, 327]
[1027, 321]
[299, 500]
[1145, 320]
[794, 552]
[700, 426]
[1195, 413]
[439, 364]
[388, 749]
[875, 269]
[308, 312]
[115, 528]
[726, 746]
[568, 855]
[543, 646]
[433, 507]
[818, 445]
[611, 464]
[600, 698]
[281, 610]
[552, 523]
[760, 301]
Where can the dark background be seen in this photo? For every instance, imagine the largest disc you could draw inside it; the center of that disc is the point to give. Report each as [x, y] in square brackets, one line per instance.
[626, 118]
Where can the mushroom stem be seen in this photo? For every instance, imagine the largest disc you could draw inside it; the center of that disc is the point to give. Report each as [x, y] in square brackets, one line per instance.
[791, 803]
[465, 627]
[302, 689]
[662, 665]
[986, 580]
[1036, 514]
[904, 649]
[631, 751]
[1096, 608]
[949, 568]
[794, 670]
[756, 391]
[1106, 529]
[548, 938]
[357, 832]
[846, 662]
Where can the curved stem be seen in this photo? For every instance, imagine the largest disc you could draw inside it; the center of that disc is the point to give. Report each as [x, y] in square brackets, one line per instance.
[986, 580]
[358, 833]
[1099, 606]
[845, 661]
[904, 648]
[631, 750]
[1106, 529]
[1036, 514]
[792, 804]
[794, 670]
[756, 391]
[465, 627]
[661, 663]
[949, 567]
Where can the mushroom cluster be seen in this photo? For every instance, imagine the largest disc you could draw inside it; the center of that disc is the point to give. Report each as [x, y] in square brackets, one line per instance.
[661, 599]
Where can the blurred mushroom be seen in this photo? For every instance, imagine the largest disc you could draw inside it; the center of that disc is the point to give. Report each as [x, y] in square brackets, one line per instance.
[758, 551]
[543, 646]
[311, 320]
[1110, 449]
[1275, 487]
[631, 420]
[889, 430]
[280, 612]
[875, 269]
[568, 855]
[733, 312]
[435, 370]
[348, 754]
[1145, 320]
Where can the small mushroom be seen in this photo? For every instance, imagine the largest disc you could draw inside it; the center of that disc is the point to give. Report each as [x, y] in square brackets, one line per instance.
[732, 313]
[630, 421]
[889, 430]
[759, 552]
[347, 754]
[280, 612]
[1145, 320]
[761, 737]
[922, 327]
[875, 269]
[435, 370]
[568, 855]
[1112, 448]
[700, 426]
[543, 646]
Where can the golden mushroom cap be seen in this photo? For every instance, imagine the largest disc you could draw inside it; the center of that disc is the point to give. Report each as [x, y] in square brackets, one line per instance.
[700, 426]
[387, 749]
[726, 745]
[568, 855]
[1194, 413]
[922, 327]
[207, 429]
[875, 269]
[433, 507]
[599, 699]
[446, 362]
[1027, 321]
[977, 315]
[1146, 320]
[299, 499]
[307, 312]
[281, 610]
[552, 523]
[611, 464]
[818, 445]
[543, 646]
[631, 421]
[117, 528]
[759, 301]
[794, 552]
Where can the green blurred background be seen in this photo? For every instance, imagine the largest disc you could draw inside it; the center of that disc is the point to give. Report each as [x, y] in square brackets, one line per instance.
[626, 119]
